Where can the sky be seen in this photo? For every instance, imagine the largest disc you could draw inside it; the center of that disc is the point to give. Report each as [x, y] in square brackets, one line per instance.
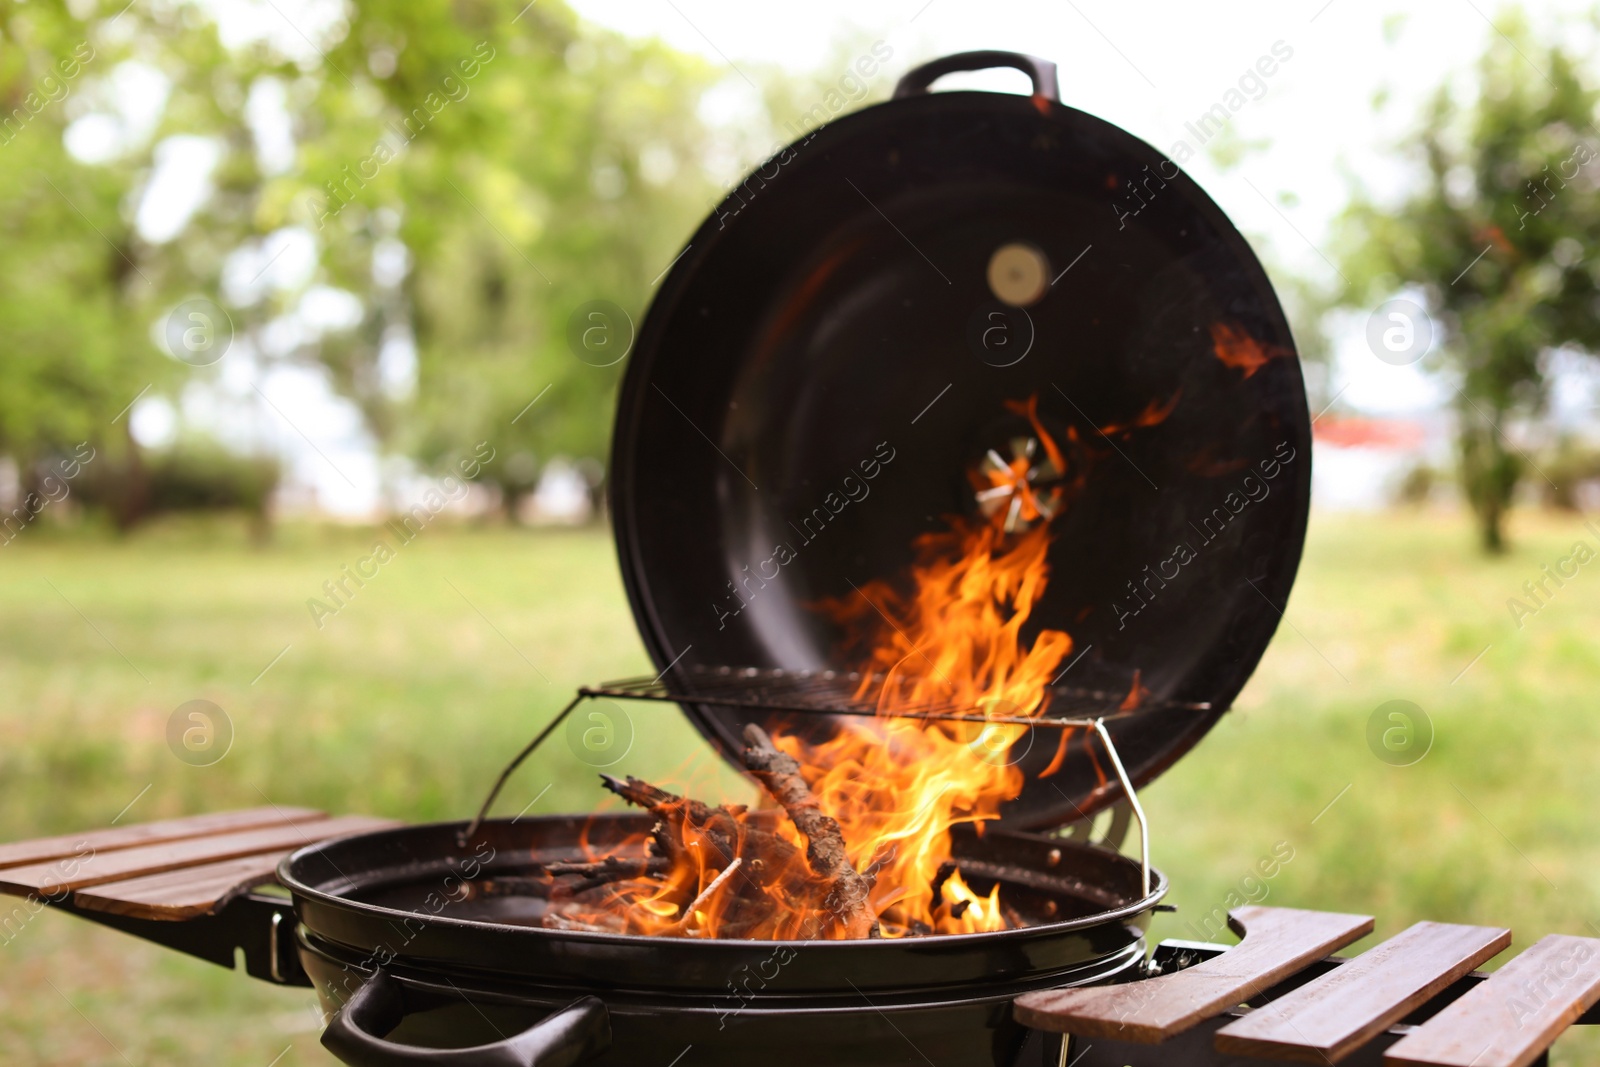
[1149, 66]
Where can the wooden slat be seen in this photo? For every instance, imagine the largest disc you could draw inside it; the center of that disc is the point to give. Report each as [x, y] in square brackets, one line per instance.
[1514, 1015]
[53, 879]
[40, 850]
[1277, 942]
[184, 893]
[1327, 1019]
[188, 891]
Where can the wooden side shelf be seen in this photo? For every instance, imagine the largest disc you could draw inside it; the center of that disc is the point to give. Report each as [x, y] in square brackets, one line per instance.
[1413, 1001]
[1327, 1019]
[1278, 942]
[172, 870]
[1511, 1017]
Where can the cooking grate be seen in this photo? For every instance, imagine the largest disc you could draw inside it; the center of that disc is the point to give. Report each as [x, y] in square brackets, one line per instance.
[829, 692]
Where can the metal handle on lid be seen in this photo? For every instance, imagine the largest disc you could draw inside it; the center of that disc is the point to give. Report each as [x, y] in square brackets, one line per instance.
[916, 81]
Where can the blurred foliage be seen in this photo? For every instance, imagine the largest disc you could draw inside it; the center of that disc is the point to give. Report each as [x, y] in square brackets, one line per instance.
[466, 174]
[196, 474]
[558, 170]
[1306, 303]
[1418, 484]
[1571, 465]
[75, 281]
[1494, 242]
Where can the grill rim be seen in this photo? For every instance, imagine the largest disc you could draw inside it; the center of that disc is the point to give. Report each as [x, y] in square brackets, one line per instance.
[326, 909]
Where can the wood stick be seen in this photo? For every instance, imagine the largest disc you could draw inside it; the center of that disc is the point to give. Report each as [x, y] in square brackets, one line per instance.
[555, 920]
[681, 927]
[603, 872]
[940, 877]
[642, 794]
[512, 885]
[849, 892]
[723, 828]
[611, 867]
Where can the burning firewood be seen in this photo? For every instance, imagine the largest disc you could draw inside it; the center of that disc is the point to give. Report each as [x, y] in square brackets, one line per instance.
[659, 801]
[612, 866]
[849, 892]
[682, 926]
[755, 868]
[609, 924]
[768, 858]
[603, 872]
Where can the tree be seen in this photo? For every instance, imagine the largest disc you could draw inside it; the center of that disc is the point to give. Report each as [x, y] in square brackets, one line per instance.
[73, 274]
[85, 292]
[529, 166]
[467, 175]
[1495, 240]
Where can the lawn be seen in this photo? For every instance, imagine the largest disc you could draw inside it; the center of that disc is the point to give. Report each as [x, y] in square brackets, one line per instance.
[408, 697]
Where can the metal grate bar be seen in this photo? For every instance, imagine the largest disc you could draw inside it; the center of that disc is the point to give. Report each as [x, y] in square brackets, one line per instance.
[829, 692]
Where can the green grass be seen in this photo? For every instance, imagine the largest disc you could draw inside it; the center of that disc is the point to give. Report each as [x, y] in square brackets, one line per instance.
[407, 700]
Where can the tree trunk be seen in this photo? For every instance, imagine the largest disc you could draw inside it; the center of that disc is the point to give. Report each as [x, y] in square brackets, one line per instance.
[1489, 473]
[1491, 527]
[131, 502]
[511, 503]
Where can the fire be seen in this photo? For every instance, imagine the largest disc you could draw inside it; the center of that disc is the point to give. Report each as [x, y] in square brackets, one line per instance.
[897, 785]
[1237, 349]
[949, 636]
[954, 640]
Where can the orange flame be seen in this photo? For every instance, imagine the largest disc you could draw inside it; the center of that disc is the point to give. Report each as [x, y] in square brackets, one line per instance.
[898, 785]
[1237, 349]
[949, 637]
[1154, 414]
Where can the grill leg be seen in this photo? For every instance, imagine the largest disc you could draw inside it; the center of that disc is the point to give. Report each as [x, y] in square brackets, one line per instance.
[1040, 1050]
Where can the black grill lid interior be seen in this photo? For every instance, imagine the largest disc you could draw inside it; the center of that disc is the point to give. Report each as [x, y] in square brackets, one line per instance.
[829, 319]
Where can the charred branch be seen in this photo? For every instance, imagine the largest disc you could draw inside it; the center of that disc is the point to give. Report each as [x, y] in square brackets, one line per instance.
[849, 892]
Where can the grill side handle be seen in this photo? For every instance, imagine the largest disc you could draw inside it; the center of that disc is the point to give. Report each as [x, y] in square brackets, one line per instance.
[569, 1036]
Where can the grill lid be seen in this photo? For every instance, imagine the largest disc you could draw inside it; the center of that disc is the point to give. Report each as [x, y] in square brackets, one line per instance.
[833, 355]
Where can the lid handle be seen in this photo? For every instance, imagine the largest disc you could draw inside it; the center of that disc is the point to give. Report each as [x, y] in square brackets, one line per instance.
[1043, 72]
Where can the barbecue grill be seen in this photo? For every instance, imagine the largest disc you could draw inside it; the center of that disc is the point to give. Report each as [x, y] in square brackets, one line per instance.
[836, 316]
